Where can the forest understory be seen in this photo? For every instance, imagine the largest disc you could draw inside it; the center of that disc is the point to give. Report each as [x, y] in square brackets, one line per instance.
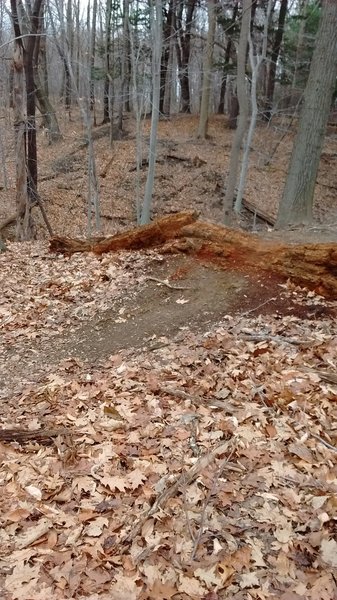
[168, 427]
[190, 175]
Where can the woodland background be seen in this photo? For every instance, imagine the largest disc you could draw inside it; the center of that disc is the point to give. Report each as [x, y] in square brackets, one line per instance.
[105, 71]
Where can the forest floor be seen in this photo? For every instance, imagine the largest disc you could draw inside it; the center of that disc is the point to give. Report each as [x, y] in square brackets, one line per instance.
[173, 426]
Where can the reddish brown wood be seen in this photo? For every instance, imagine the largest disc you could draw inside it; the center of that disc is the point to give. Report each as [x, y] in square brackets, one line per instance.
[146, 236]
[310, 265]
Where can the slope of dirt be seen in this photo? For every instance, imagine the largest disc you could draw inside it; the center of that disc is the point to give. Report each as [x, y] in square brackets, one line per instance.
[171, 295]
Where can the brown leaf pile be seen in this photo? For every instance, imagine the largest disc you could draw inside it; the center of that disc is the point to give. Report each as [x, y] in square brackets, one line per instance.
[205, 468]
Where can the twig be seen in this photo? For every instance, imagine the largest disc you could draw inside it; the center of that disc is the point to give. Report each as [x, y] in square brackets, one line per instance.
[192, 398]
[208, 497]
[20, 435]
[165, 282]
[326, 444]
[184, 479]
[247, 312]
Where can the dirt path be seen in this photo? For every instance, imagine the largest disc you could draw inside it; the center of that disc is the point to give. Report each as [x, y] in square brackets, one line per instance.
[177, 293]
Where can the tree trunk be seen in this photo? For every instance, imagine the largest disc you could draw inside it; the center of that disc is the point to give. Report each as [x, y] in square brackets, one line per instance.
[24, 222]
[69, 41]
[207, 71]
[298, 195]
[273, 60]
[297, 81]
[221, 107]
[243, 114]
[93, 58]
[107, 78]
[156, 62]
[233, 107]
[170, 79]
[126, 57]
[30, 102]
[183, 49]
[124, 64]
[167, 30]
[255, 64]
[47, 111]
[26, 132]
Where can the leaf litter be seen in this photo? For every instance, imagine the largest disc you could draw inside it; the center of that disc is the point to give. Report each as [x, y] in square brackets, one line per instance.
[197, 464]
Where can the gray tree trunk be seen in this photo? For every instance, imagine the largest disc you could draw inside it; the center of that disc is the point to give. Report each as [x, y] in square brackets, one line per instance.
[207, 72]
[24, 221]
[255, 64]
[125, 59]
[298, 195]
[93, 58]
[156, 63]
[243, 113]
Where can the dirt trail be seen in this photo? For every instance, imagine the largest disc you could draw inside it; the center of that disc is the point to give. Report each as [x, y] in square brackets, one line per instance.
[155, 312]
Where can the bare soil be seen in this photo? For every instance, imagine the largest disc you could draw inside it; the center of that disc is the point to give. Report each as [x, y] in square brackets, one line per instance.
[177, 294]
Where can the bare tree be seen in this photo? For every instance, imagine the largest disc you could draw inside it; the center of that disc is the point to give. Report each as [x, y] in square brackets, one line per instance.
[228, 52]
[207, 71]
[107, 78]
[92, 54]
[25, 227]
[41, 84]
[124, 102]
[273, 60]
[25, 123]
[243, 114]
[183, 48]
[298, 195]
[256, 62]
[156, 25]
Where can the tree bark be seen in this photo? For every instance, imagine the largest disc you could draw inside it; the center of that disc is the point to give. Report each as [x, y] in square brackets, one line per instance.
[183, 49]
[156, 62]
[298, 195]
[255, 64]
[243, 113]
[310, 265]
[30, 102]
[229, 45]
[125, 59]
[273, 60]
[107, 78]
[207, 71]
[24, 222]
[93, 58]
[167, 32]
[25, 127]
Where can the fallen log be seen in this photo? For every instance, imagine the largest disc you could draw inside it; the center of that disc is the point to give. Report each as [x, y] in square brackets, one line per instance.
[310, 265]
[146, 236]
